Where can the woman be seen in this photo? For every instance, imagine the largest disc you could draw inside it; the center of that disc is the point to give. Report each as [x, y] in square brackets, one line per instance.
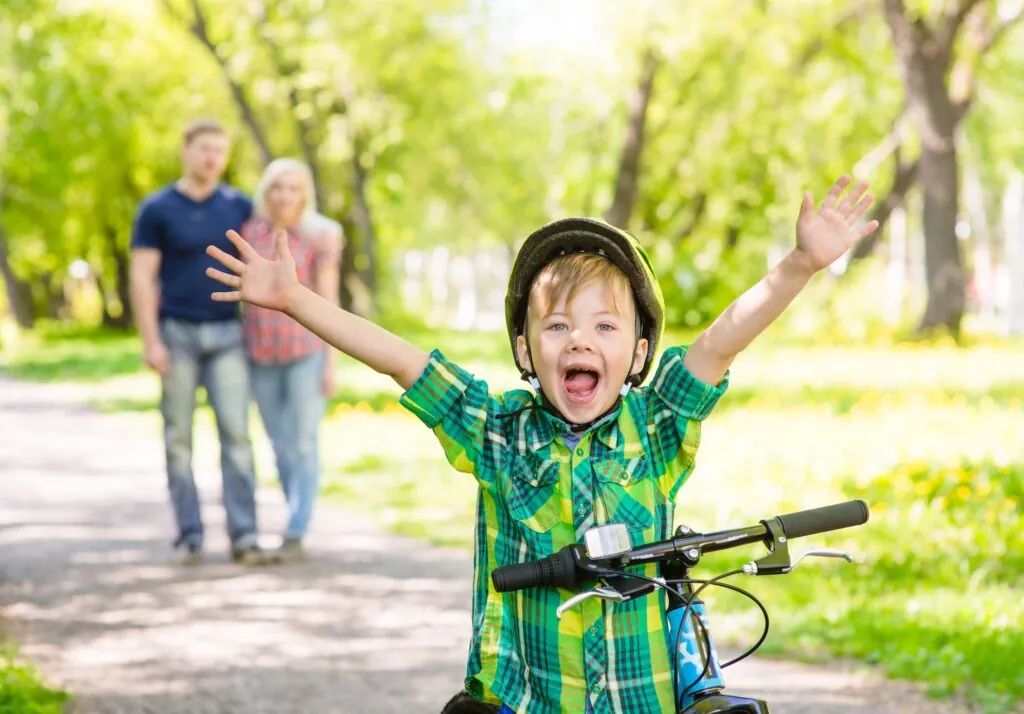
[292, 370]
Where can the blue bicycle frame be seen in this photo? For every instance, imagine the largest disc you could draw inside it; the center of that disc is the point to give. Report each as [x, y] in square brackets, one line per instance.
[698, 672]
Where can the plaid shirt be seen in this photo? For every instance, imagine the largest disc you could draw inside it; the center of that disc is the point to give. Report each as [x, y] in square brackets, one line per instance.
[536, 496]
[272, 337]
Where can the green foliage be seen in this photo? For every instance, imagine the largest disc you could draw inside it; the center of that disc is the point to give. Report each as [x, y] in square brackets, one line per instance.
[21, 689]
[970, 515]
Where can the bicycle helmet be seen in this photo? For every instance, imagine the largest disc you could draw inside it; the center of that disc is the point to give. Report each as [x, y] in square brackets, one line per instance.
[586, 235]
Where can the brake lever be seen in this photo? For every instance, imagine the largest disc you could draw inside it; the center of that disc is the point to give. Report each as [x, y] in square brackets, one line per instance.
[823, 553]
[604, 593]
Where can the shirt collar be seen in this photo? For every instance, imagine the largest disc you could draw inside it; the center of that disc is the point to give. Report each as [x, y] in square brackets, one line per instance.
[545, 426]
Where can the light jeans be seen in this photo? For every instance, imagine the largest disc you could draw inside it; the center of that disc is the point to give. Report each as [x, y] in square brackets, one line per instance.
[291, 404]
[210, 354]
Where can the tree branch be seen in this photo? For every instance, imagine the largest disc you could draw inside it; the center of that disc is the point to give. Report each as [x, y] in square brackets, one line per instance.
[982, 39]
[888, 146]
[198, 27]
[858, 12]
[629, 161]
[304, 127]
[904, 178]
[700, 204]
[947, 33]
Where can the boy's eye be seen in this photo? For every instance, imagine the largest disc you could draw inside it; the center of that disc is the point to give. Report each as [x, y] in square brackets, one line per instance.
[558, 326]
[606, 327]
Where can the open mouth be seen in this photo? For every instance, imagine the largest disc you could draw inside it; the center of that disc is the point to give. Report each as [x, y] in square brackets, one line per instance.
[580, 384]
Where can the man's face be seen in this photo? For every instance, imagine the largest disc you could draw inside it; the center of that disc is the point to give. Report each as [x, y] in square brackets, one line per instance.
[205, 157]
[582, 352]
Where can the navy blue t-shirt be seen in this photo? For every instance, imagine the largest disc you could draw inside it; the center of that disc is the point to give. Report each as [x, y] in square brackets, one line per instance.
[181, 228]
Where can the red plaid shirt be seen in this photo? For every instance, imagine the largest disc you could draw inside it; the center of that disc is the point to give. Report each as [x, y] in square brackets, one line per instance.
[272, 337]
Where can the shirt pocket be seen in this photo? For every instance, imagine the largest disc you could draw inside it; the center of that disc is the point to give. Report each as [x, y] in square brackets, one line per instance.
[531, 493]
[627, 492]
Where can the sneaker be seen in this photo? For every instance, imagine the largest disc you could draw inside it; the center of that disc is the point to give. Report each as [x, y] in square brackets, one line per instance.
[252, 555]
[291, 549]
[188, 554]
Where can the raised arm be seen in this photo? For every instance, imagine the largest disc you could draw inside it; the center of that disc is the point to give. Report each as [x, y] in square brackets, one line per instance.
[821, 238]
[273, 284]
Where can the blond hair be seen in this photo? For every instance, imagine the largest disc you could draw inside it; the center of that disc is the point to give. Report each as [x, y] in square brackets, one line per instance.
[309, 219]
[564, 277]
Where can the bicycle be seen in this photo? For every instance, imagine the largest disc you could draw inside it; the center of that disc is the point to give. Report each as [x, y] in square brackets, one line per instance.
[607, 551]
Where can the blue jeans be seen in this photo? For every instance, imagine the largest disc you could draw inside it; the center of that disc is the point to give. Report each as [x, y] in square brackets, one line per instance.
[291, 404]
[210, 354]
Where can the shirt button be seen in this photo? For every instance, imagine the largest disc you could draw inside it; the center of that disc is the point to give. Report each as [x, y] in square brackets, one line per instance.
[579, 451]
[581, 510]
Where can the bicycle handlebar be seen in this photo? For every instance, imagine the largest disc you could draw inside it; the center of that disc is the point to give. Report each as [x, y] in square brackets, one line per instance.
[563, 569]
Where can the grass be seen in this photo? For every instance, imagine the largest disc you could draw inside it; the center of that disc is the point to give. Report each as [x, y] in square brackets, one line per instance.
[22, 691]
[927, 433]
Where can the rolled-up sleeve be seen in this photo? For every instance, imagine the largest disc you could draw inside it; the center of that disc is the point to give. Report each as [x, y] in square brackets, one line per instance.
[677, 403]
[455, 405]
[676, 387]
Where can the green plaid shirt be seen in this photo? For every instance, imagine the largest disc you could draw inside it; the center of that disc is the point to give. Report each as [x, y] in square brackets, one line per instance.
[537, 495]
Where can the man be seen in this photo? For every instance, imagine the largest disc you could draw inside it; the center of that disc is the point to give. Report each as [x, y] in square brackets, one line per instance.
[190, 340]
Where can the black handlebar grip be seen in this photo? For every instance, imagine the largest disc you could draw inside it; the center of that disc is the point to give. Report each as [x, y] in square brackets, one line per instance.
[556, 570]
[826, 518]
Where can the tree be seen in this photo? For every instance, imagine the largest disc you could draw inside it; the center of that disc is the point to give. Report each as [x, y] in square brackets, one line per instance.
[938, 78]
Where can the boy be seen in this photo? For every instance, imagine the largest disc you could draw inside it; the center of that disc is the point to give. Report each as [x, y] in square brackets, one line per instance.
[584, 314]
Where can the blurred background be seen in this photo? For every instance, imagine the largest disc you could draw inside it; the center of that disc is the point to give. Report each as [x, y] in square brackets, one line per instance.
[441, 132]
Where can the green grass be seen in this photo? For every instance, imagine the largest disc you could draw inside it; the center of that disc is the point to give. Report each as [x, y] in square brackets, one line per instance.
[22, 691]
[927, 433]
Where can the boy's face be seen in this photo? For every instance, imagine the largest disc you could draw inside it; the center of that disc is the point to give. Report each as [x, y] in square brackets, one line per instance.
[582, 351]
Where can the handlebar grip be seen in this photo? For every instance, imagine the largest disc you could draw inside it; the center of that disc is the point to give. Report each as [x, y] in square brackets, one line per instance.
[556, 570]
[826, 518]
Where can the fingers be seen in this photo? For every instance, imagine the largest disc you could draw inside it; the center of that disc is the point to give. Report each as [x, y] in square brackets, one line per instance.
[233, 296]
[281, 245]
[849, 201]
[232, 281]
[868, 229]
[806, 205]
[860, 209]
[228, 261]
[244, 249]
[832, 199]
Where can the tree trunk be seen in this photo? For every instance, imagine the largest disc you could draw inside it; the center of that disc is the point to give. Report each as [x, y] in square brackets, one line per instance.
[939, 181]
[122, 287]
[53, 294]
[19, 294]
[629, 164]
[924, 57]
[364, 255]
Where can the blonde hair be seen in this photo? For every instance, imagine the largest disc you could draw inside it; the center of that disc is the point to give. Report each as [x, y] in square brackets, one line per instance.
[310, 219]
[565, 276]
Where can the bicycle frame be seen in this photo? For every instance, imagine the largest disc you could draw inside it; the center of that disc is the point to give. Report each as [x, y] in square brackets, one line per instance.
[702, 691]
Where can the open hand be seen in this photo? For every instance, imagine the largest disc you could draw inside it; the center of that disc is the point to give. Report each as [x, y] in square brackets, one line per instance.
[823, 237]
[267, 283]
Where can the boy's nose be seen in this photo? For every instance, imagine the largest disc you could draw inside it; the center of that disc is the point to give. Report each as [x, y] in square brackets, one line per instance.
[580, 340]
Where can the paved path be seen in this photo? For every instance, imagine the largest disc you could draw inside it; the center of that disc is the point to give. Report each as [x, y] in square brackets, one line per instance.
[372, 623]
